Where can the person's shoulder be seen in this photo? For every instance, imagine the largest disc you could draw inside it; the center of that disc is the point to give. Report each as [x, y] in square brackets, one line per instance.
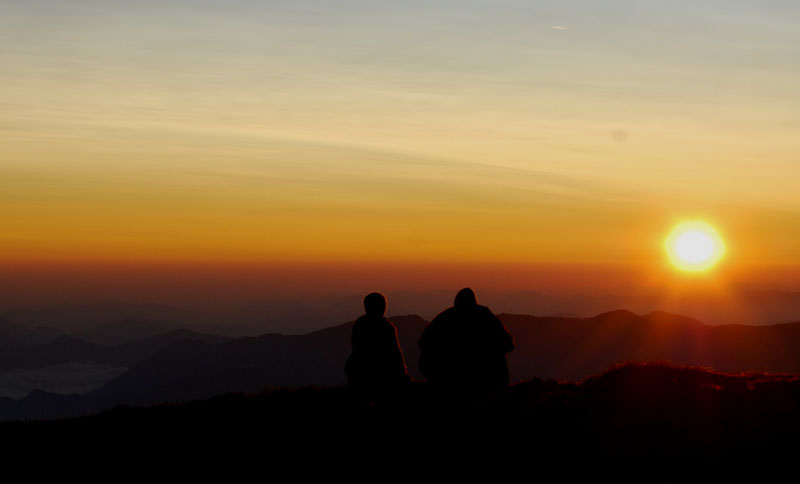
[373, 321]
[484, 309]
[362, 320]
[487, 313]
[447, 313]
[440, 322]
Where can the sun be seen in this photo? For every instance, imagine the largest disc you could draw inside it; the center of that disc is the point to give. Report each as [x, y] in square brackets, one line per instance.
[694, 246]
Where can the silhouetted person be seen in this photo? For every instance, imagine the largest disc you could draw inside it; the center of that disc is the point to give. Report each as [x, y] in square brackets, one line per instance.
[376, 366]
[464, 347]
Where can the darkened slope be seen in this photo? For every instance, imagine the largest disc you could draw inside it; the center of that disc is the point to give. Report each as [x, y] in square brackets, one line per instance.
[193, 369]
[632, 411]
[571, 348]
[14, 336]
[63, 349]
[561, 348]
[123, 331]
[127, 354]
[67, 349]
[75, 317]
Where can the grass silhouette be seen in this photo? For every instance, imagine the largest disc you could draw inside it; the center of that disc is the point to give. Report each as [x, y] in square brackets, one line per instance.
[632, 410]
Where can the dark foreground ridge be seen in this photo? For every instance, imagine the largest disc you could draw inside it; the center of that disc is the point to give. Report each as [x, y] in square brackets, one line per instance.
[633, 410]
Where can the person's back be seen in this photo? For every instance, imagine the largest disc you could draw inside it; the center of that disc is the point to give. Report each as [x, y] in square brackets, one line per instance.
[465, 347]
[376, 365]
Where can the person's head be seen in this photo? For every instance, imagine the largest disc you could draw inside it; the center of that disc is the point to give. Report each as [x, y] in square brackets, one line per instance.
[465, 298]
[375, 304]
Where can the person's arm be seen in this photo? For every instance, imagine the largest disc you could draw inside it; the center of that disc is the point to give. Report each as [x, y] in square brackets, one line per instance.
[396, 350]
[424, 344]
[356, 337]
[505, 341]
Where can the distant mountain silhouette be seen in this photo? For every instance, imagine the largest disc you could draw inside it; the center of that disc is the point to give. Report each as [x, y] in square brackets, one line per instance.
[122, 331]
[571, 348]
[75, 317]
[547, 347]
[740, 306]
[63, 349]
[285, 314]
[66, 349]
[132, 352]
[40, 404]
[293, 314]
[193, 369]
[16, 336]
[562, 348]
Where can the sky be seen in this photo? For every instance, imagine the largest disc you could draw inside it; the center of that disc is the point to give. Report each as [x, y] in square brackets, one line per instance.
[458, 135]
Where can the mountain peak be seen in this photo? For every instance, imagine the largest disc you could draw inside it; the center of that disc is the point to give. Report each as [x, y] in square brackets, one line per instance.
[665, 317]
[617, 314]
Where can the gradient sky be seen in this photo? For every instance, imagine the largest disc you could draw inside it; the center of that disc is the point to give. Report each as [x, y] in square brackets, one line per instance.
[421, 131]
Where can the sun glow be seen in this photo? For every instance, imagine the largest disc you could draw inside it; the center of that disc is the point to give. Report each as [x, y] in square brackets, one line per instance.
[694, 246]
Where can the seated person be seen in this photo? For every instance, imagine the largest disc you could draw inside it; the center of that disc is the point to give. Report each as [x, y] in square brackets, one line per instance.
[464, 347]
[376, 365]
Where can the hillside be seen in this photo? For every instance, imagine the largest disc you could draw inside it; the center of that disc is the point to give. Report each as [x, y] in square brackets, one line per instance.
[178, 366]
[194, 369]
[571, 348]
[634, 410]
[560, 348]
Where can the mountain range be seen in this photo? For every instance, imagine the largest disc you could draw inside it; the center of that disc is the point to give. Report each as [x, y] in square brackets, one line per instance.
[183, 365]
[301, 314]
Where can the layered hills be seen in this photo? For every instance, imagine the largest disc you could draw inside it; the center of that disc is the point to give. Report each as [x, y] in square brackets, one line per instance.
[180, 366]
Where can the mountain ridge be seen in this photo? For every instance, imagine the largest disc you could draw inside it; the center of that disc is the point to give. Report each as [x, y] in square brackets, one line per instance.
[679, 413]
[560, 348]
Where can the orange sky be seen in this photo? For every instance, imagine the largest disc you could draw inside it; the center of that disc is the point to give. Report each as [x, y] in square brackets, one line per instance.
[497, 134]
